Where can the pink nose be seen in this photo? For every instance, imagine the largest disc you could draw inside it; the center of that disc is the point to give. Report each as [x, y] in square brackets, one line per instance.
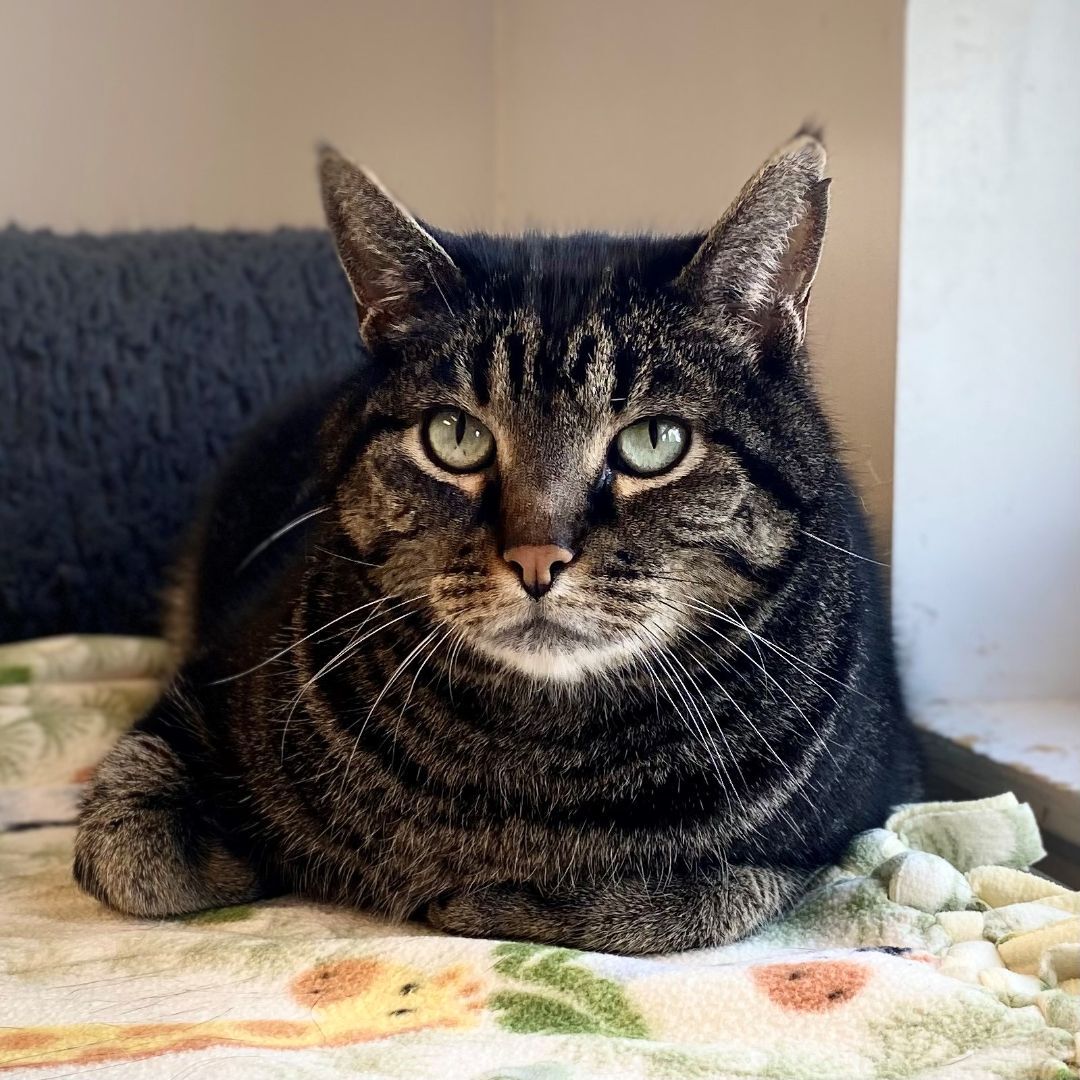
[537, 565]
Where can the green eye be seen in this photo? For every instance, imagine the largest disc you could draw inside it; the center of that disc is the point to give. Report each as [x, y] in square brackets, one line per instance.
[651, 446]
[457, 441]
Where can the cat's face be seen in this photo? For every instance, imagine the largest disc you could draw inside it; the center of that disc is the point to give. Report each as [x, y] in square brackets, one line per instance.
[570, 451]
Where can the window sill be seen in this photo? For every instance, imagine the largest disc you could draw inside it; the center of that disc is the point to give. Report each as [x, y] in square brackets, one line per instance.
[978, 748]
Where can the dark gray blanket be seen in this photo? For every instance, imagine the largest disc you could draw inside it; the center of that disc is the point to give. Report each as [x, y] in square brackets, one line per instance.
[128, 365]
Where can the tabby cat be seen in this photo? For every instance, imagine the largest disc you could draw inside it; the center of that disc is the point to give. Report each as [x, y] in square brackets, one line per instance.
[555, 620]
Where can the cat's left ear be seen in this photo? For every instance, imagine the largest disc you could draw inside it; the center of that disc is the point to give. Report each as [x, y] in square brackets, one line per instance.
[395, 266]
[759, 260]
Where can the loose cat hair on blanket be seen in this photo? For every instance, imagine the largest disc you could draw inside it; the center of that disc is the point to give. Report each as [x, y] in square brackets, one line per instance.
[555, 621]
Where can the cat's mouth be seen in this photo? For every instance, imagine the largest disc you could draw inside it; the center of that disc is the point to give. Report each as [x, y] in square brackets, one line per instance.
[543, 633]
[546, 647]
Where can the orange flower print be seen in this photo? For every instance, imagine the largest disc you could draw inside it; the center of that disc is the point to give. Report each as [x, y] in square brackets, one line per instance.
[812, 986]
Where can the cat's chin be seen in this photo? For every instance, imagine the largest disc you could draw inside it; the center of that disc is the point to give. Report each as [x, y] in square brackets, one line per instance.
[570, 664]
[548, 649]
[550, 653]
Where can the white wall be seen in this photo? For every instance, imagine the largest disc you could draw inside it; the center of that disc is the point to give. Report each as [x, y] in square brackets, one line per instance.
[986, 542]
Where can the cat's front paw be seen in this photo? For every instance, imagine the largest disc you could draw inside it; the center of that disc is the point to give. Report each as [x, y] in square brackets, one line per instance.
[142, 848]
[496, 911]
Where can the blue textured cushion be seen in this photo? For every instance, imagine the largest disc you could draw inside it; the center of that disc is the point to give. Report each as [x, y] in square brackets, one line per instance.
[128, 366]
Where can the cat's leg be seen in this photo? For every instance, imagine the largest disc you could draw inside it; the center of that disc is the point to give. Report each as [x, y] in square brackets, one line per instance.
[629, 917]
[144, 845]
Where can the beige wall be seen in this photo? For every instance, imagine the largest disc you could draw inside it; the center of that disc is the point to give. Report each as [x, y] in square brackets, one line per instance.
[137, 113]
[555, 113]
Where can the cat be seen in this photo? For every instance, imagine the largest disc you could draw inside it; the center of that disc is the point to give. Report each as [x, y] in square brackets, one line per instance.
[555, 621]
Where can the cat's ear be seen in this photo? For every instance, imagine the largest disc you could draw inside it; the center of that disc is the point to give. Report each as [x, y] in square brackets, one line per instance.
[759, 260]
[394, 265]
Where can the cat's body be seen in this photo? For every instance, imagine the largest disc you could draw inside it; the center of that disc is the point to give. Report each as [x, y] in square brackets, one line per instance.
[548, 694]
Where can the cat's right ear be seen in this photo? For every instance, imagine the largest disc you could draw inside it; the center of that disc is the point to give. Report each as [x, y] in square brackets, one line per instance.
[757, 264]
[394, 265]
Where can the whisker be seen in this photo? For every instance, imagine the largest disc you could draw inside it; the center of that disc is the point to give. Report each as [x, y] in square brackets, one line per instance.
[717, 762]
[382, 693]
[742, 712]
[451, 660]
[644, 659]
[260, 548]
[347, 558]
[412, 686]
[699, 728]
[339, 659]
[837, 547]
[289, 648]
[331, 664]
[791, 658]
[772, 679]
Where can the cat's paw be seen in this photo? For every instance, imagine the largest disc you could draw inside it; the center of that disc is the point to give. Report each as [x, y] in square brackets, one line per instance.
[141, 846]
[495, 911]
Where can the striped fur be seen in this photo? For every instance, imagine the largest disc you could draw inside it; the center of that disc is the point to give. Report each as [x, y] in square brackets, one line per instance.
[658, 753]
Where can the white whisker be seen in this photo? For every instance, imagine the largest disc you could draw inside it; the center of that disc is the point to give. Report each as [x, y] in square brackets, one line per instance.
[382, 693]
[289, 648]
[343, 655]
[772, 679]
[260, 548]
[348, 558]
[790, 657]
[837, 547]
[741, 711]
[717, 761]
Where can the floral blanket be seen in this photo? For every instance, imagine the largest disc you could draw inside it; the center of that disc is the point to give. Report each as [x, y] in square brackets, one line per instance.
[927, 953]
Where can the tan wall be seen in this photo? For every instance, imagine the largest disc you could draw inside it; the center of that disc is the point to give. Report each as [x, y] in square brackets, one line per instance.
[556, 113]
[137, 113]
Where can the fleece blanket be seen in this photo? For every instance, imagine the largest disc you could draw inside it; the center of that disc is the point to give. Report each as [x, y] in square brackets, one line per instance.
[929, 952]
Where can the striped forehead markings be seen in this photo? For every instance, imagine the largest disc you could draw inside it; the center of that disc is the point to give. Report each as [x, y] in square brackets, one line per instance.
[535, 363]
[626, 372]
[515, 348]
[585, 358]
[480, 358]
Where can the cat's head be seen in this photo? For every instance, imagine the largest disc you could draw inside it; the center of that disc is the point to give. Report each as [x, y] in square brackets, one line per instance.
[567, 449]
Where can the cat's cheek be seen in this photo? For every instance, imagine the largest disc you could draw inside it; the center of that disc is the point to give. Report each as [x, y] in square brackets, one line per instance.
[395, 513]
[763, 531]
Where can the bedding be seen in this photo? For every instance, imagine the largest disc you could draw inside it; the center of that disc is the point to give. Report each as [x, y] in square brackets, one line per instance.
[929, 952]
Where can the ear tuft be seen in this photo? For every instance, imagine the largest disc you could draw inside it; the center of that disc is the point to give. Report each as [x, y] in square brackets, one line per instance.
[811, 129]
[759, 261]
[394, 265]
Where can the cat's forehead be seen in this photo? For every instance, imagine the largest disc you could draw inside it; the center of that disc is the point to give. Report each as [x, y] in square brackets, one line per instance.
[528, 360]
[602, 350]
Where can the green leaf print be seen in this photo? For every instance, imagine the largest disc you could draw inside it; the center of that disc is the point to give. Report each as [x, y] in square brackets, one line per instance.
[914, 1039]
[560, 996]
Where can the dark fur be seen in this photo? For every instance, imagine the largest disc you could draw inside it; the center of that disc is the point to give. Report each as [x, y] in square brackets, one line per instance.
[673, 794]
